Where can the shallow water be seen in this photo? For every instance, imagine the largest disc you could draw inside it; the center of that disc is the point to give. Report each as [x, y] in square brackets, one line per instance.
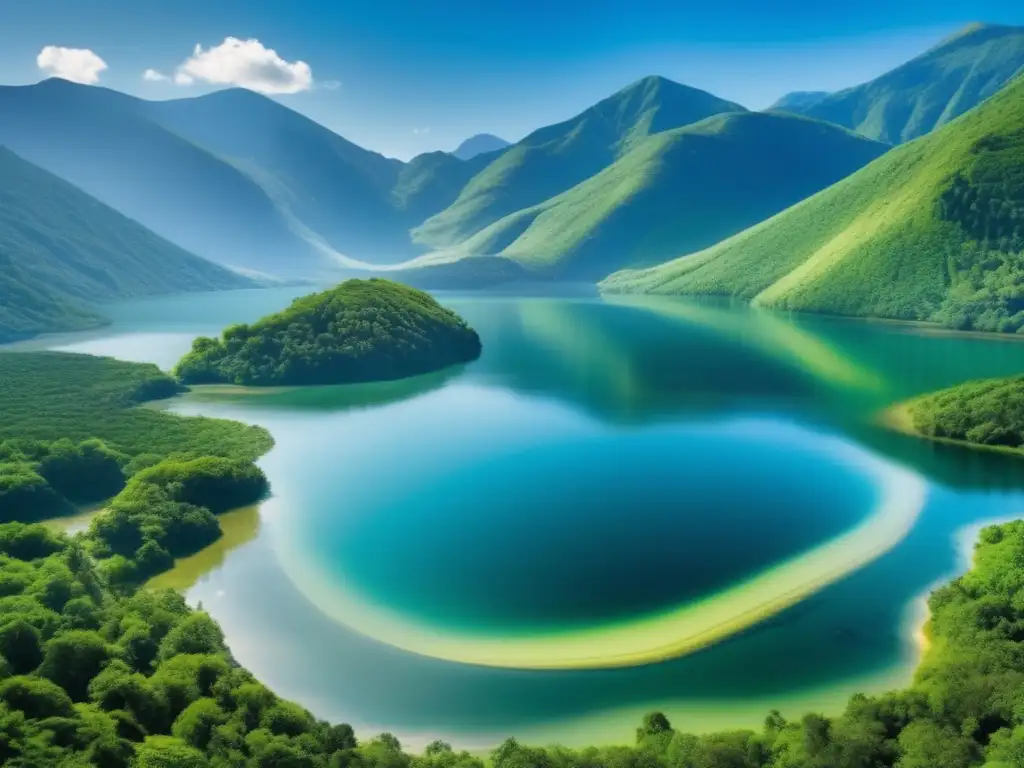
[604, 470]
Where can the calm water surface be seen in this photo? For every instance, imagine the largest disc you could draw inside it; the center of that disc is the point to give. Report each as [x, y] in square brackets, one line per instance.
[603, 464]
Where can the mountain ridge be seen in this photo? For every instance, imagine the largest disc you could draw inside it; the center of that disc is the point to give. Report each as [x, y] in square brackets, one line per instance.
[931, 89]
[929, 231]
[556, 157]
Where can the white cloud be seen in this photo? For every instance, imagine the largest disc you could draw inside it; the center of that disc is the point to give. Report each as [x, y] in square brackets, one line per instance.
[421, 131]
[246, 63]
[155, 76]
[80, 65]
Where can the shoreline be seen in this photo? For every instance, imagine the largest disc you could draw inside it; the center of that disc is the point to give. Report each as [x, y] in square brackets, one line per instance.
[898, 418]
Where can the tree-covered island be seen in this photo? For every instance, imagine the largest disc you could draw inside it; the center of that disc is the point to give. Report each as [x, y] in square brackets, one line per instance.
[359, 331]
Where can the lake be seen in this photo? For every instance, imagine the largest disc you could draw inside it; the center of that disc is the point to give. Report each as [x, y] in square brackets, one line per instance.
[624, 505]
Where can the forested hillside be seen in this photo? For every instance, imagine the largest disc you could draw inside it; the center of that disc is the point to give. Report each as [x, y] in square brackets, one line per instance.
[929, 231]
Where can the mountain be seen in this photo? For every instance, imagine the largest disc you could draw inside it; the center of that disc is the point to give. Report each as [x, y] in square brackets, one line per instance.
[431, 182]
[331, 191]
[555, 158]
[798, 100]
[61, 250]
[932, 230]
[677, 191]
[480, 144]
[930, 90]
[102, 142]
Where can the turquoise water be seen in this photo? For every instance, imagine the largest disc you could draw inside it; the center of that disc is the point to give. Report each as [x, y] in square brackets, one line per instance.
[601, 464]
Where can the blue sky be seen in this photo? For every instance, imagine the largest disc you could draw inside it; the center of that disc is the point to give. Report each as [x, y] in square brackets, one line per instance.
[408, 77]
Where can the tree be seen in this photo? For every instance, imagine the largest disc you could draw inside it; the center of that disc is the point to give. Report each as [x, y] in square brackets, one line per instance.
[196, 724]
[36, 697]
[21, 645]
[924, 744]
[196, 634]
[74, 658]
[168, 752]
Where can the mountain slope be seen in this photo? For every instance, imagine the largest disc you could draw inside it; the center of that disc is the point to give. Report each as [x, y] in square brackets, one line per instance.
[555, 158]
[101, 142]
[480, 144]
[799, 100]
[933, 230]
[60, 248]
[930, 90]
[677, 191]
[339, 192]
[431, 182]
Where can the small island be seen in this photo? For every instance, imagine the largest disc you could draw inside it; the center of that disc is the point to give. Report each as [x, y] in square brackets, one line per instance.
[359, 331]
[986, 414]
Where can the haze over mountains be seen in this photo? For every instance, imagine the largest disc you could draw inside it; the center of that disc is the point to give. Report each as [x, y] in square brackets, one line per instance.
[655, 171]
[61, 251]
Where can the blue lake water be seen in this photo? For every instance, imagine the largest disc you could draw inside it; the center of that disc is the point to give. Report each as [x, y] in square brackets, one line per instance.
[604, 467]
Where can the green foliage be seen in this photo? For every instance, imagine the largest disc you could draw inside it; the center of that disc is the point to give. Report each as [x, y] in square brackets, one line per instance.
[926, 232]
[989, 412]
[61, 250]
[50, 396]
[157, 687]
[362, 330]
[928, 91]
[213, 482]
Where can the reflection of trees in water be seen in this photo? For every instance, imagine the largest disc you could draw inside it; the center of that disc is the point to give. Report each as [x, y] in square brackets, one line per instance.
[625, 366]
[332, 398]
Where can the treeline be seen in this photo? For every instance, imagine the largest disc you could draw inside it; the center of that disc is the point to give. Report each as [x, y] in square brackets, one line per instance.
[92, 675]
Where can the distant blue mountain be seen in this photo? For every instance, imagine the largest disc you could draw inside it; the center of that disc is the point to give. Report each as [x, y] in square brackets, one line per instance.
[480, 144]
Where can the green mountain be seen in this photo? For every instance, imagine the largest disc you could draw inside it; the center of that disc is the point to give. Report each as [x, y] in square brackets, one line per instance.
[61, 250]
[480, 144]
[431, 182]
[928, 91]
[677, 191]
[932, 230]
[555, 158]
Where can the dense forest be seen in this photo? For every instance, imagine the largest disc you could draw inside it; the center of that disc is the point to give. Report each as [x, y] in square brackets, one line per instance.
[359, 331]
[73, 434]
[91, 674]
[988, 412]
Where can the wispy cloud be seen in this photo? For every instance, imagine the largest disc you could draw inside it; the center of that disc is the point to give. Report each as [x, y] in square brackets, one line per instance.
[421, 131]
[80, 65]
[155, 76]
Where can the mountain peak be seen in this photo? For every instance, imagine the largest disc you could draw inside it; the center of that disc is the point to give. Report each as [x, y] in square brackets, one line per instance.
[479, 144]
